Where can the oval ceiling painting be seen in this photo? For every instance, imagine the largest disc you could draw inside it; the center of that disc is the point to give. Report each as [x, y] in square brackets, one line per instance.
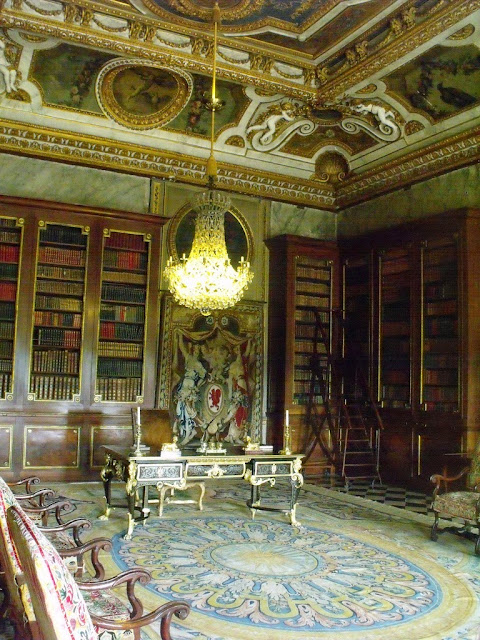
[140, 96]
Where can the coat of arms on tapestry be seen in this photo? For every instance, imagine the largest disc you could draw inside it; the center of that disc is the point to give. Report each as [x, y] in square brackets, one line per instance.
[211, 373]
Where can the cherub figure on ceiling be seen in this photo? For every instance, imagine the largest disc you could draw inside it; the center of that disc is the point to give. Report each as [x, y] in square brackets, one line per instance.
[278, 112]
[8, 73]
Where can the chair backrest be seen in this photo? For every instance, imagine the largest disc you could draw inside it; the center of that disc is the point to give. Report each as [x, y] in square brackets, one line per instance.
[59, 607]
[20, 606]
[156, 426]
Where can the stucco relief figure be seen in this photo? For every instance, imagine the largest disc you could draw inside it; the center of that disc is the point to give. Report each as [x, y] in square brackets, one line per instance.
[8, 73]
[237, 381]
[187, 417]
[384, 117]
[285, 111]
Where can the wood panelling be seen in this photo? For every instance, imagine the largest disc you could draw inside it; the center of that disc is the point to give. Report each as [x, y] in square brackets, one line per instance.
[107, 435]
[6, 446]
[48, 447]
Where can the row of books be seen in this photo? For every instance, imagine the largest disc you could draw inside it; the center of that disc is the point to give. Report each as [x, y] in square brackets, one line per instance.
[115, 368]
[8, 291]
[60, 273]
[395, 392]
[68, 257]
[395, 329]
[399, 265]
[440, 394]
[12, 237]
[128, 277]
[8, 222]
[55, 361]
[6, 366]
[396, 377]
[440, 345]
[121, 240]
[442, 307]
[6, 349]
[306, 346]
[120, 350]
[123, 293]
[5, 384]
[9, 253]
[317, 300]
[317, 287]
[315, 270]
[441, 360]
[441, 326]
[440, 376]
[121, 313]
[302, 375]
[52, 387]
[54, 319]
[304, 331]
[125, 260]
[308, 315]
[8, 270]
[57, 304]
[7, 330]
[440, 290]
[440, 255]
[63, 234]
[303, 399]
[121, 331]
[440, 273]
[445, 407]
[119, 389]
[60, 287]
[57, 337]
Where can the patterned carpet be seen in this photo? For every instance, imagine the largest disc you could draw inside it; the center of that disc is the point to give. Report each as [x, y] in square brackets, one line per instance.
[354, 569]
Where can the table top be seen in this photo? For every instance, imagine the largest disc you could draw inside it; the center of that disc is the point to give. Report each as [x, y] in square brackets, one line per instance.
[152, 455]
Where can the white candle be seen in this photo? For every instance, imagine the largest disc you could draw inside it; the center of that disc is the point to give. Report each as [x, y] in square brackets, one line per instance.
[286, 418]
[138, 415]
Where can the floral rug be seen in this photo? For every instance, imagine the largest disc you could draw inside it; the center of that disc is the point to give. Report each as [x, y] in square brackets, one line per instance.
[352, 570]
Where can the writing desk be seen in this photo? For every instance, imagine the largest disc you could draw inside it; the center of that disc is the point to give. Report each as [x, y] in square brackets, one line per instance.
[139, 472]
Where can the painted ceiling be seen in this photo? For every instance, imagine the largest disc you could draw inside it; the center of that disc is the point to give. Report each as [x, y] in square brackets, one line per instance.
[324, 103]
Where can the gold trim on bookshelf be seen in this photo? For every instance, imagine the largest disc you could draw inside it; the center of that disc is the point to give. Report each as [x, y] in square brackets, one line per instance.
[76, 397]
[139, 399]
[9, 396]
[20, 222]
[9, 429]
[85, 230]
[97, 397]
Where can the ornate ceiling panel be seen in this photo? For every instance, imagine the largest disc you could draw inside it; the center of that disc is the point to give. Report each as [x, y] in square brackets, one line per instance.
[324, 102]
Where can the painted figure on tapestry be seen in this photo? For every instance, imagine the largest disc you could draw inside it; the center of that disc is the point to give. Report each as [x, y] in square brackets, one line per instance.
[187, 418]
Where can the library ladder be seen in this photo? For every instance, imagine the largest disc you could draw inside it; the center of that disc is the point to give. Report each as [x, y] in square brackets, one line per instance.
[341, 415]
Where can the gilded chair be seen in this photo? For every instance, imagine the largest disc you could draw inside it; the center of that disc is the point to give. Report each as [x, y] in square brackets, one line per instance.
[463, 504]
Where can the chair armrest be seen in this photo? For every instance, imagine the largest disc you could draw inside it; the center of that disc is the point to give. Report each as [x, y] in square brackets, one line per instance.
[36, 499]
[26, 481]
[94, 547]
[165, 612]
[76, 525]
[438, 479]
[44, 510]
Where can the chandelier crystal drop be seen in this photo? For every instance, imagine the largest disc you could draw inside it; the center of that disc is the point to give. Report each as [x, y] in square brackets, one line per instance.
[206, 279]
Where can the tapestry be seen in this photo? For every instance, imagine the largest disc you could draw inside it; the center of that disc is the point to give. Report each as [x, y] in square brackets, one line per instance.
[211, 373]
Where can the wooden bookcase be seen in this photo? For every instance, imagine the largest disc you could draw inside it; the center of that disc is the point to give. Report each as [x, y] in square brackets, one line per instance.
[304, 275]
[423, 297]
[79, 330]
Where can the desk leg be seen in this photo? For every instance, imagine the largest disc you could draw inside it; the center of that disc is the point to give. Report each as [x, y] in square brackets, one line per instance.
[131, 490]
[106, 475]
[296, 481]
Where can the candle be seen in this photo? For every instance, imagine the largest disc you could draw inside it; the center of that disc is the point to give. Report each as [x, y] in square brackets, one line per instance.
[286, 418]
[138, 415]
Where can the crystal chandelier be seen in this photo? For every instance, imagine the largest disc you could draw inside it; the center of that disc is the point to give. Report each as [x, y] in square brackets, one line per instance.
[206, 279]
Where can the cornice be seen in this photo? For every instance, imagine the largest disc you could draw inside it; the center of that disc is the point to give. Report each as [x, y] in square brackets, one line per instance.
[453, 153]
[92, 151]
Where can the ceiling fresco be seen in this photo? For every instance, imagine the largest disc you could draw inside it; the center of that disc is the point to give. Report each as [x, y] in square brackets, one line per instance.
[324, 103]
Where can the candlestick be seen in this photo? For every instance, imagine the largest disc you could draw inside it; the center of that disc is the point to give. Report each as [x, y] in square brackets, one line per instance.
[138, 415]
[286, 419]
[286, 436]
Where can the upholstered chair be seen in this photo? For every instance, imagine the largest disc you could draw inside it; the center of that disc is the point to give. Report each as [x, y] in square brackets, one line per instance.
[462, 504]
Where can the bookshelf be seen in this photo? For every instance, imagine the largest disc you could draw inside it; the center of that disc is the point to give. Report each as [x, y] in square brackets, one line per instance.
[121, 340]
[357, 305]
[303, 276]
[11, 236]
[440, 344]
[59, 301]
[313, 290]
[79, 327]
[395, 328]
[424, 322]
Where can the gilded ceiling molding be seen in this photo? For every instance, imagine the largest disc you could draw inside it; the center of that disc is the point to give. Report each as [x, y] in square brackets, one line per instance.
[96, 152]
[458, 151]
[259, 74]
[338, 82]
